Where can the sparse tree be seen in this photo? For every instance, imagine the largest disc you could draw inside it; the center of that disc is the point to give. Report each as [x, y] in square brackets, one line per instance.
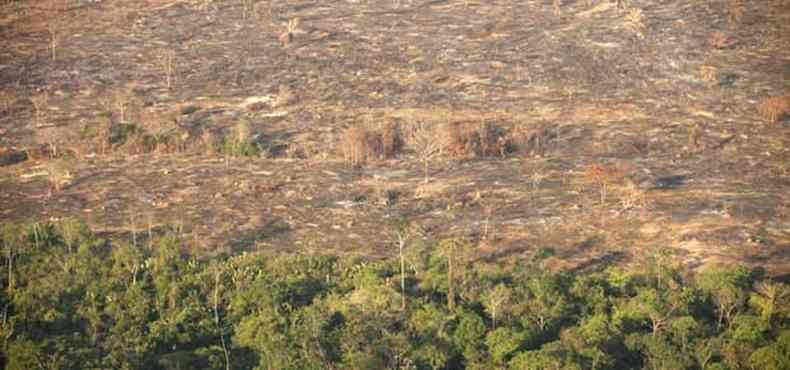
[771, 299]
[12, 244]
[218, 271]
[421, 136]
[497, 301]
[727, 288]
[55, 23]
[453, 250]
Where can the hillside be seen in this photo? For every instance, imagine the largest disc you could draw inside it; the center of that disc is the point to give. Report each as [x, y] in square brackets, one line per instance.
[603, 132]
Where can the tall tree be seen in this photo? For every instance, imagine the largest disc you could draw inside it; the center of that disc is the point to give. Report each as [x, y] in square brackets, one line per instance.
[401, 235]
[12, 244]
[454, 251]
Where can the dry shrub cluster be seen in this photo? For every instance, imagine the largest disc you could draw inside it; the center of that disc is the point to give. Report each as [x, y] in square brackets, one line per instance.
[633, 21]
[59, 173]
[287, 36]
[361, 143]
[603, 176]
[719, 40]
[736, 9]
[709, 74]
[6, 102]
[774, 109]
[631, 197]
[530, 139]
[474, 140]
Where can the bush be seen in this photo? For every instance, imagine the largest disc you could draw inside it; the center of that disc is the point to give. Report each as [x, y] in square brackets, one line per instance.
[360, 144]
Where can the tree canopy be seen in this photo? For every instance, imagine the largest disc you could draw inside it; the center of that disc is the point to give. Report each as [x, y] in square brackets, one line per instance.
[72, 300]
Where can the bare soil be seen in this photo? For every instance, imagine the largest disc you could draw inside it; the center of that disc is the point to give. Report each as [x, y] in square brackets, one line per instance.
[652, 93]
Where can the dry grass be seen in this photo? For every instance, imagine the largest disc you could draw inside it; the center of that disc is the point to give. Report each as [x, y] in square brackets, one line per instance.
[709, 74]
[695, 136]
[167, 61]
[285, 96]
[631, 197]
[209, 142]
[605, 175]
[287, 36]
[633, 21]
[6, 102]
[774, 109]
[736, 9]
[40, 105]
[59, 173]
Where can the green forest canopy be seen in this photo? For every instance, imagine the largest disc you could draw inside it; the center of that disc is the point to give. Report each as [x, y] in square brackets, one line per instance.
[71, 300]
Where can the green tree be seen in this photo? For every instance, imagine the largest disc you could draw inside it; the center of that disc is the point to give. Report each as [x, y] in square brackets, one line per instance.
[497, 300]
[727, 287]
[552, 356]
[658, 351]
[657, 307]
[595, 336]
[12, 247]
[450, 249]
[429, 323]
[127, 263]
[468, 335]
[771, 299]
[544, 300]
[775, 356]
[429, 355]
[265, 333]
[502, 343]
[745, 334]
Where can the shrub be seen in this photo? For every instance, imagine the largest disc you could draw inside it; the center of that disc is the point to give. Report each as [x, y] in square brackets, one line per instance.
[474, 140]
[774, 109]
[360, 144]
[529, 139]
[239, 142]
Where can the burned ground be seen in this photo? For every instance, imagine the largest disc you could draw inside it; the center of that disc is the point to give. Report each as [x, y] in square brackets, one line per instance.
[663, 97]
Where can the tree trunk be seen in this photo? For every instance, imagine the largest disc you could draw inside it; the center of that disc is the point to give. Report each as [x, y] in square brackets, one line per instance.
[401, 242]
[425, 169]
[216, 319]
[10, 270]
[450, 288]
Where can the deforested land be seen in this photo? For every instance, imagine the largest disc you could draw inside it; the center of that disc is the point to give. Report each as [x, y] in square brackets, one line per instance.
[368, 184]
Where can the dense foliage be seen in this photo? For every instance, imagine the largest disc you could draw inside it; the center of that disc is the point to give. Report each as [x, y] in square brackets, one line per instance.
[71, 300]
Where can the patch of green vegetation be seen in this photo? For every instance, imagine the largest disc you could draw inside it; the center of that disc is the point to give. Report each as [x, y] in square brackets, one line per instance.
[72, 300]
[239, 142]
[121, 133]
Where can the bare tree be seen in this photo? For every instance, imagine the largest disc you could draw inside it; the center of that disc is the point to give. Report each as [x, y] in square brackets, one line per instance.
[55, 25]
[497, 300]
[422, 138]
